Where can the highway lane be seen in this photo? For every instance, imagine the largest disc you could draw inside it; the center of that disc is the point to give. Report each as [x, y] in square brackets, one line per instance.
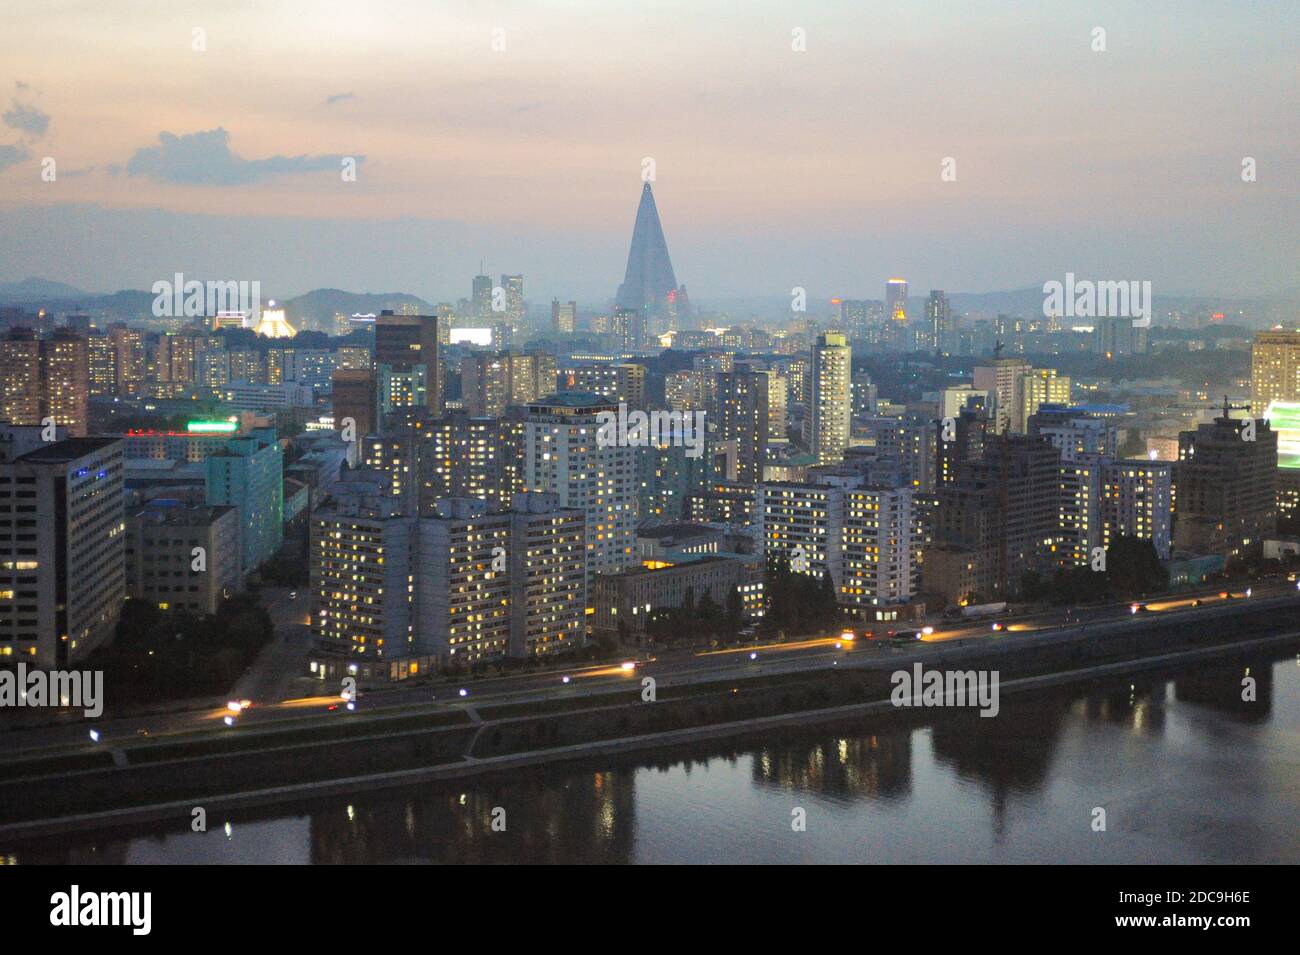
[666, 667]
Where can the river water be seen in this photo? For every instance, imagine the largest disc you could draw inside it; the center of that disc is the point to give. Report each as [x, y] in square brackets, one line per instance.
[1183, 768]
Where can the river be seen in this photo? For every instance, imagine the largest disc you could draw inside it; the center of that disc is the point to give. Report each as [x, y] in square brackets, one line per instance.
[1183, 768]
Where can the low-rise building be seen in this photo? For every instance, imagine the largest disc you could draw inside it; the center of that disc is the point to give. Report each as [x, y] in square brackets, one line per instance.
[182, 558]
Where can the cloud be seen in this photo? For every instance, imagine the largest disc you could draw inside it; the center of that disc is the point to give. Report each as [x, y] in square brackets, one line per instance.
[204, 159]
[28, 119]
[12, 155]
[338, 98]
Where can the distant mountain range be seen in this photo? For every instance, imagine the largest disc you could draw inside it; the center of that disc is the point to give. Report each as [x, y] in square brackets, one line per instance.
[38, 291]
[316, 309]
[313, 310]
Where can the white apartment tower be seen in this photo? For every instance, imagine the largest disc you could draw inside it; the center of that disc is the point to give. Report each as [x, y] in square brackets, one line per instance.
[830, 406]
[562, 456]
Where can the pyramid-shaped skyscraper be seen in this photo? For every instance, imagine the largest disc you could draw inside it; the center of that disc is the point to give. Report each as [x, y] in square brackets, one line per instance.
[649, 285]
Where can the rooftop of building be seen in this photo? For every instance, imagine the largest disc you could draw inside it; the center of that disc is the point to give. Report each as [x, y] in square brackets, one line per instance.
[684, 562]
[174, 513]
[571, 399]
[68, 449]
[677, 531]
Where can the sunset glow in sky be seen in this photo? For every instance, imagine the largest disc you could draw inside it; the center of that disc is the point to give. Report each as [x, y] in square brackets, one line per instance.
[774, 167]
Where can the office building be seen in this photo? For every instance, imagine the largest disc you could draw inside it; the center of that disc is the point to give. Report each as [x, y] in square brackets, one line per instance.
[564, 317]
[182, 558]
[62, 578]
[407, 346]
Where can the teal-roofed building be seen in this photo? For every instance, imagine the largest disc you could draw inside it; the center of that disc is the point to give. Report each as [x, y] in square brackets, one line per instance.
[248, 473]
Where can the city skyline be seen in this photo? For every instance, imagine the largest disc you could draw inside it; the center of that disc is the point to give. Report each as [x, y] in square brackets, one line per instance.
[526, 155]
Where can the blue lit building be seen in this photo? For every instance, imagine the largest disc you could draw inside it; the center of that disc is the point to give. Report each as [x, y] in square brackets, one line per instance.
[248, 473]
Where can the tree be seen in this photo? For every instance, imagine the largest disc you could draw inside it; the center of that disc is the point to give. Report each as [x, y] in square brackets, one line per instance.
[1134, 569]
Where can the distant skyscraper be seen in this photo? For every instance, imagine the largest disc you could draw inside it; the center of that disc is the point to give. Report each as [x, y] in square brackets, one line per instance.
[1002, 380]
[513, 285]
[403, 343]
[649, 284]
[129, 357]
[830, 402]
[629, 326]
[938, 321]
[481, 300]
[896, 300]
[564, 316]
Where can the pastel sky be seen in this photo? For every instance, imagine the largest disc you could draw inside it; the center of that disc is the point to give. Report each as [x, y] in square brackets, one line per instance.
[773, 167]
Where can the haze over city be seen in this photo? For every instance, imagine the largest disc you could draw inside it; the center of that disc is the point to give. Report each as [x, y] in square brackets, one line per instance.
[775, 167]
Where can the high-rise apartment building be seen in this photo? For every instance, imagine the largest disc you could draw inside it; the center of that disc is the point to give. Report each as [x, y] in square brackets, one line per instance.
[1002, 381]
[102, 361]
[622, 382]
[354, 394]
[739, 414]
[1041, 386]
[491, 383]
[1274, 369]
[481, 299]
[1000, 515]
[562, 455]
[128, 358]
[1226, 487]
[939, 324]
[864, 536]
[1136, 501]
[830, 404]
[464, 584]
[176, 358]
[513, 287]
[629, 327]
[45, 378]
